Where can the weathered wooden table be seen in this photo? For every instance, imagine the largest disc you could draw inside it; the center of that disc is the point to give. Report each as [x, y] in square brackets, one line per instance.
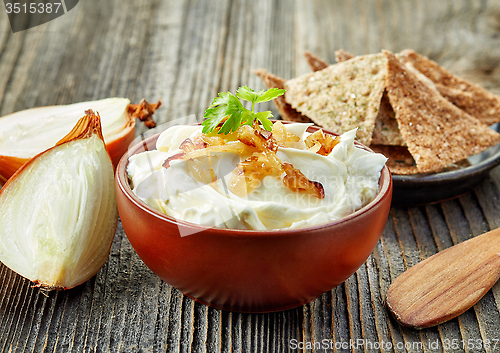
[185, 52]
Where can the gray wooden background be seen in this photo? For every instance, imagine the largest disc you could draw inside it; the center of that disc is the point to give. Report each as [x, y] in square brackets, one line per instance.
[184, 52]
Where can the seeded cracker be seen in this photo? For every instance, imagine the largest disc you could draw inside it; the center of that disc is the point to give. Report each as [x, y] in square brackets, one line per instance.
[342, 96]
[386, 130]
[342, 55]
[437, 133]
[466, 95]
[400, 160]
[315, 62]
[285, 110]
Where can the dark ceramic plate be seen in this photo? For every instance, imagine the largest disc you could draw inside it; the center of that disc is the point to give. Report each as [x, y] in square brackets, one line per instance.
[429, 188]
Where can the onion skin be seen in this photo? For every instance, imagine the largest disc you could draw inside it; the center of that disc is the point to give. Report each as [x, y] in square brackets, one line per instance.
[87, 128]
[9, 165]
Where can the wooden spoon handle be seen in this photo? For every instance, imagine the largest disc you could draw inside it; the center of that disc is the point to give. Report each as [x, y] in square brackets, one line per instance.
[446, 284]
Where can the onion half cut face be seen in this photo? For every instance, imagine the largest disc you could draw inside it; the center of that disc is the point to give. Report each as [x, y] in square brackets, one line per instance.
[58, 213]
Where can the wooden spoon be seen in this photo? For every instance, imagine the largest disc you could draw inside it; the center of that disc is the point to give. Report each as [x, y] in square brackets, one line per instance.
[446, 284]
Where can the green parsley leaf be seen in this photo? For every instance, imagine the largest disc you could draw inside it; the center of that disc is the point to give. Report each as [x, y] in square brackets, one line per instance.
[270, 94]
[228, 105]
[248, 94]
[263, 117]
[223, 105]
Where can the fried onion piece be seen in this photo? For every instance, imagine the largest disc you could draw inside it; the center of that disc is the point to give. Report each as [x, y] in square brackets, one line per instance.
[167, 161]
[321, 143]
[264, 142]
[144, 112]
[236, 147]
[257, 138]
[189, 145]
[249, 174]
[201, 173]
[199, 142]
[297, 181]
[212, 140]
[282, 137]
[193, 148]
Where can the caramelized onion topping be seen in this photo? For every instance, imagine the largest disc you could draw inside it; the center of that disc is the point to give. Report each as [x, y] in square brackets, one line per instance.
[321, 143]
[297, 181]
[261, 145]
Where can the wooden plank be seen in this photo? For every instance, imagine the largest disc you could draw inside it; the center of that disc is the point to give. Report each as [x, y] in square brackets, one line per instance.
[460, 231]
[379, 280]
[368, 334]
[449, 331]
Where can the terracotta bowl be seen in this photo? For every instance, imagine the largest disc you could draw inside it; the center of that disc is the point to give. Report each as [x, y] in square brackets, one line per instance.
[244, 270]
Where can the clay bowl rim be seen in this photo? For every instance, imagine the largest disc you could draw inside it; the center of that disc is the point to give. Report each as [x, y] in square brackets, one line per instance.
[385, 187]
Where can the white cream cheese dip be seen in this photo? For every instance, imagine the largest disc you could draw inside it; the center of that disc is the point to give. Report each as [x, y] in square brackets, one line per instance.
[349, 176]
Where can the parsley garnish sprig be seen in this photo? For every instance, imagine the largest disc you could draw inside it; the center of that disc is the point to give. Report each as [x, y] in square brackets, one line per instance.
[228, 105]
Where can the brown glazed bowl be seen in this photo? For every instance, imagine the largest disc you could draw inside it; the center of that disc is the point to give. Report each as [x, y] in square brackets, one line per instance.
[245, 270]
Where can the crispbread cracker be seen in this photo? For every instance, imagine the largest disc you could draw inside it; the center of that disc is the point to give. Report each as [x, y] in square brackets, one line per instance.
[386, 130]
[342, 96]
[285, 110]
[342, 55]
[400, 161]
[315, 62]
[436, 131]
[466, 95]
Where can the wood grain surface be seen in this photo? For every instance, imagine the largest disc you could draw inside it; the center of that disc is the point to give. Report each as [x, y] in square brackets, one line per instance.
[184, 52]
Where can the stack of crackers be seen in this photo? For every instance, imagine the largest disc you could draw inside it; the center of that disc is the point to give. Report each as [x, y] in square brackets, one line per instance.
[418, 114]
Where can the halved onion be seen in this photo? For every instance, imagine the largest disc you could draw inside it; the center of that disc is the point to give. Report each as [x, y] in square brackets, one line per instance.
[26, 133]
[58, 213]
